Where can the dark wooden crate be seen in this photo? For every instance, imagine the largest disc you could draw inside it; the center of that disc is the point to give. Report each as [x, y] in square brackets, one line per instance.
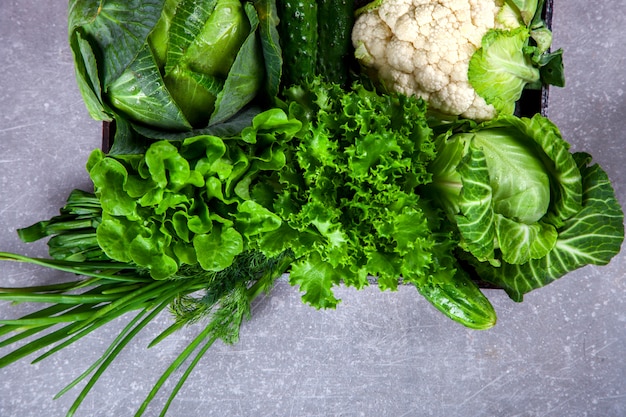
[531, 103]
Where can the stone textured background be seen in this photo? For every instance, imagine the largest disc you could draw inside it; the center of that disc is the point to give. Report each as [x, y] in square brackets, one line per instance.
[559, 353]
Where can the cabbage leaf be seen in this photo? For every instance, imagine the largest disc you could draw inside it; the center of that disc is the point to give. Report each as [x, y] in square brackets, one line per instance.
[117, 30]
[528, 211]
[175, 65]
[590, 237]
[508, 184]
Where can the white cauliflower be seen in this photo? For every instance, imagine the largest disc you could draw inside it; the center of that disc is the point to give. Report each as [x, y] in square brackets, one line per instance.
[424, 47]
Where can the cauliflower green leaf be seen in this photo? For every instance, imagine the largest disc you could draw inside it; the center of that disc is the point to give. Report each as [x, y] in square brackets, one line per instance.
[500, 69]
[470, 59]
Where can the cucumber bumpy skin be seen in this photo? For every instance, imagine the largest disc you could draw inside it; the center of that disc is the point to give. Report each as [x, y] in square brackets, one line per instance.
[335, 20]
[461, 300]
[298, 30]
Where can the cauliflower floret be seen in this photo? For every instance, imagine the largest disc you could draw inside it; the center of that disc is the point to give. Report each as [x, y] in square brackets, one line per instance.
[423, 48]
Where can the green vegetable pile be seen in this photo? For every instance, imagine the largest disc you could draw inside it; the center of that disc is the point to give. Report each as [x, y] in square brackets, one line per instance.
[249, 143]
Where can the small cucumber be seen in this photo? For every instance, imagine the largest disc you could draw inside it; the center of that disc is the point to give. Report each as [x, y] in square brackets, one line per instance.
[460, 299]
[298, 37]
[335, 21]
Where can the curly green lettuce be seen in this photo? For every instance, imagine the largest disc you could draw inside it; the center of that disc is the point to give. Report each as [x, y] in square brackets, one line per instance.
[347, 194]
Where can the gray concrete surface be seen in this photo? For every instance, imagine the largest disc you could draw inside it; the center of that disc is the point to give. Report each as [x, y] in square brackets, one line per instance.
[559, 353]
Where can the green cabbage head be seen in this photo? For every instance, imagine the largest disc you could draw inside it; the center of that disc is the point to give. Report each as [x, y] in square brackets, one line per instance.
[527, 210]
[509, 185]
[169, 65]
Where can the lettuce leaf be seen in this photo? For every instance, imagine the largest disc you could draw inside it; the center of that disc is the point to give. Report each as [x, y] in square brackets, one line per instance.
[191, 202]
[348, 193]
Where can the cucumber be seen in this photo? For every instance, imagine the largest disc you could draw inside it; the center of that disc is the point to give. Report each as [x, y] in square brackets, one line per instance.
[460, 299]
[298, 32]
[315, 37]
[335, 20]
